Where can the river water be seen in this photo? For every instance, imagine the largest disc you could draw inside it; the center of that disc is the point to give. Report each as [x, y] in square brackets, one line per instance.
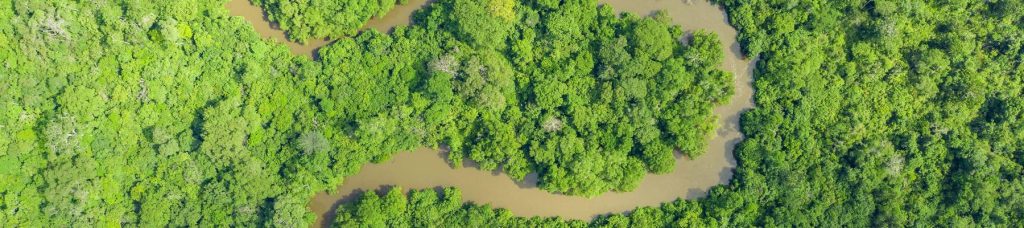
[427, 168]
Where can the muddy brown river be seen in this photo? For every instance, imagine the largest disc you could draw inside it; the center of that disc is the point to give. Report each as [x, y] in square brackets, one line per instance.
[427, 168]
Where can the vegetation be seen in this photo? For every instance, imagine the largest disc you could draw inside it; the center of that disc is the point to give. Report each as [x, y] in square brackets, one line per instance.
[154, 113]
[317, 19]
[171, 113]
[588, 118]
[430, 208]
[869, 114]
[882, 113]
[444, 207]
[583, 117]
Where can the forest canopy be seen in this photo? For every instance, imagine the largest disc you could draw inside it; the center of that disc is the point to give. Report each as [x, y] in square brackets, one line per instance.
[171, 113]
[519, 92]
[870, 113]
[319, 19]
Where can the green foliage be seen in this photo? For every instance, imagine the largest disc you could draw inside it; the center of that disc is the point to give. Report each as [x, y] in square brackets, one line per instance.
[147, 114]
[577, 98]
[506, 93]
[429, 208]
[170, 113]
[485, 23]
[871, 114]
[317, 19]
[881, 113]
[444, 207]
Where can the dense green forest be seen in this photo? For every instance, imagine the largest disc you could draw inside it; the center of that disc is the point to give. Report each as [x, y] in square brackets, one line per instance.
[171, 113]
[316, 19]
[423, 208]
[869, 113]
[444, 208]
[582, 116]
[153, 113]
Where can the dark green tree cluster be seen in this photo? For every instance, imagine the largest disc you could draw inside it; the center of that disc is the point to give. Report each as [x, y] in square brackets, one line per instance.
[882, 113]
[431, 208]
[152, 113]
[318, 19]
[589, 100]
[870, 114]
[170, 113]
[444, 208]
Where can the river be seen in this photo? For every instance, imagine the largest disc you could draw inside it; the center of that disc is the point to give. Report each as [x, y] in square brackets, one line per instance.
[427, 168]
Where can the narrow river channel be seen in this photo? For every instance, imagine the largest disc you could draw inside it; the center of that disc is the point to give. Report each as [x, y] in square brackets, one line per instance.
[427, 168]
